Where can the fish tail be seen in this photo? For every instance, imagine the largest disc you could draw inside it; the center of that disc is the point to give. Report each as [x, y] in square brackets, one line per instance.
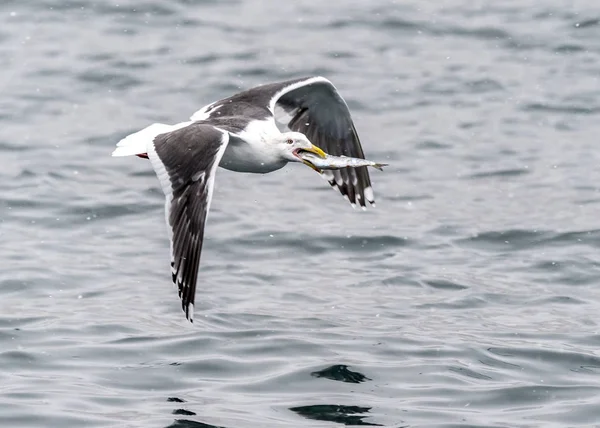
[379, 166]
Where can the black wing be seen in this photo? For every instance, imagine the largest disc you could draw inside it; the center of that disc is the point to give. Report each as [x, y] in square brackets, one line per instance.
[185, 161]
[320, 113]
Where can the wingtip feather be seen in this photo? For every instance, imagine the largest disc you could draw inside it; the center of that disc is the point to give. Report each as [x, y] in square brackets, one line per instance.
[190, 312]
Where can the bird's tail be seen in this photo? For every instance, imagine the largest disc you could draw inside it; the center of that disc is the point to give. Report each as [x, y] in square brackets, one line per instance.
[137, 143]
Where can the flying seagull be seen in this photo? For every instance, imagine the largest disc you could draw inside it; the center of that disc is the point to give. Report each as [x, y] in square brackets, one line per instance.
[240, 134]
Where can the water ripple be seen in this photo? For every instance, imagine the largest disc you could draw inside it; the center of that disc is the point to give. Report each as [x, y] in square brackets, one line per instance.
[467, 297]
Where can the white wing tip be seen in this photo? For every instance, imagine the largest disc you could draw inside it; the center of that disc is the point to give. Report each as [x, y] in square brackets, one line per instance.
[369, 195]
[191, 312]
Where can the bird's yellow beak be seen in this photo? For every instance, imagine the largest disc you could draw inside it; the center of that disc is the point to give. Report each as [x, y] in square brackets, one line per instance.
[307, 163]
[317, 151]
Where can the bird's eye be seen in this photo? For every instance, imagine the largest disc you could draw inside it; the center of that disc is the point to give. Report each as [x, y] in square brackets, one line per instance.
[289, 141]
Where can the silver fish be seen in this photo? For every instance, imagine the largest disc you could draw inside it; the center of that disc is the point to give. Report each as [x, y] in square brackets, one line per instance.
[337, 162]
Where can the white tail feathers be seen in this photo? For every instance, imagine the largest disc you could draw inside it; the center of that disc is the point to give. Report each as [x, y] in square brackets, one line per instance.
[137, 143]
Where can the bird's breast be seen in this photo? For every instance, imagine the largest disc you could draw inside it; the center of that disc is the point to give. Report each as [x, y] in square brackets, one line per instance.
[244, 157]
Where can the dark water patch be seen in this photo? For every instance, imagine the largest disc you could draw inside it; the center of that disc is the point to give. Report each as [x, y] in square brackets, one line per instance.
[140, 8]
[318, 245]
[569, 49]
[340, 54]
[470, 373]
[587, 23]
[468, 425]
[210, 2]
[23, 204]
[587, 369]
[88, 210]
[221, 26]
[246, 55]
[49, 72]
[68, 5]
[498, 363]
[554, 300]
[253, 71]
[207, 58]
[546, 358]
[217, 368]
[517, 397]
[342, 414]
[418, 27]
[93, 294]
[481, 86]
[588, 201]
[342, 373]
[584, 237]
[560, 109]
[515, 239]
[441, 87]
[302, 297]
[9, 286]
[440, 29]
[574, 272]
[14, 358]
[115, 80]
[469, 302]
[448, 87]
[502, 173]
[189, 22]
[401, 24]
[548, 265]
[40, 97]
[183, 412]
[446, 230]
[400, 280]
[123, 30]
[103, 57]
[368, 244]
[340, 23]
[140, 341]
[444, 284]
[26, 418]
[506, 240]
[131, 65]
[410, 198]
[483, 33]
[185, 423]
[18, 323]
[147, 173]
[432, 145]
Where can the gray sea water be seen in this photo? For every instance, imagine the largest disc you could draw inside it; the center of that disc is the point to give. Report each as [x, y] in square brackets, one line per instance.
[468, 297]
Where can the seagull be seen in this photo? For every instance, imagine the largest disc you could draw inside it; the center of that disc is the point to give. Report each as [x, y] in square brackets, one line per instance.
[240, 133]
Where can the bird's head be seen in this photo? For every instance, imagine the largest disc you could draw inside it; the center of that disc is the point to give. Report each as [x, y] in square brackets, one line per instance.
[292, 144]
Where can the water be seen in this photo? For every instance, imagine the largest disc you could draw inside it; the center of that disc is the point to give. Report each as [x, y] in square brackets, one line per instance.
[468, 297]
